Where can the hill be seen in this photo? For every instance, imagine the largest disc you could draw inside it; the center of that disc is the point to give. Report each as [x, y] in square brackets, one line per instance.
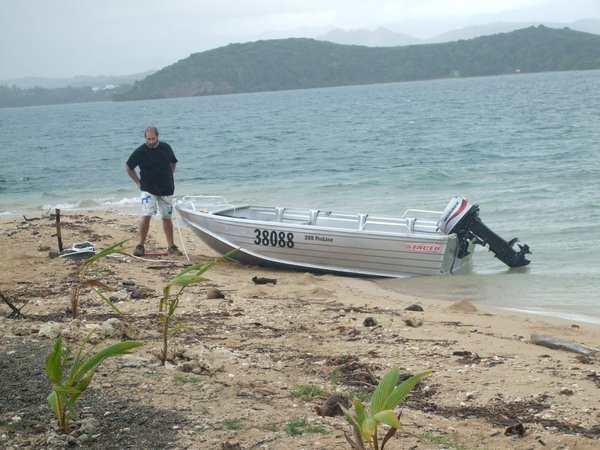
[299, 63]
[383, 37]
[586, 25]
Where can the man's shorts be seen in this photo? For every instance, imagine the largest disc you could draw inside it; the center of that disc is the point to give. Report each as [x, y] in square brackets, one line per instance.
[157, 205]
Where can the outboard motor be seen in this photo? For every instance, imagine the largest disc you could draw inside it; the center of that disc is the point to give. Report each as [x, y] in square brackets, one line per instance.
[462, 217]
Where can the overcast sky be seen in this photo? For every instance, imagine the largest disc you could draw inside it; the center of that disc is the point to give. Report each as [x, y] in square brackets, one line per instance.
[64, 38]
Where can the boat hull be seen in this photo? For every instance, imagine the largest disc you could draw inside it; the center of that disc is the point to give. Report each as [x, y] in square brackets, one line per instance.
[295, 244]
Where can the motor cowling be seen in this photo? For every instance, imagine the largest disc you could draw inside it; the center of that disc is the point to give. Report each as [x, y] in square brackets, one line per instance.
[462, 218]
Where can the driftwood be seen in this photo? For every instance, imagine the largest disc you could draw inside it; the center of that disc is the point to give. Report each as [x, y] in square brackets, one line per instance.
[263, 280]
[58, 235]
[559, 344]
[16, 312]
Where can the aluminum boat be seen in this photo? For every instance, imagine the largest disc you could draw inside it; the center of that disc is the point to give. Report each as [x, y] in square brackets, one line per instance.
[420, 242]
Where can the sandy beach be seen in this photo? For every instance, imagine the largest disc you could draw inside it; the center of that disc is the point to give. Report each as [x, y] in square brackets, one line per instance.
[236, 370]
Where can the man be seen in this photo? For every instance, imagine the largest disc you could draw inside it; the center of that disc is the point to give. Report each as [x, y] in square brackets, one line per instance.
[157, 162]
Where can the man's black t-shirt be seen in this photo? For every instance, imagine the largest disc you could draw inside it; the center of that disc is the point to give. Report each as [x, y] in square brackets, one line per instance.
[156, 175]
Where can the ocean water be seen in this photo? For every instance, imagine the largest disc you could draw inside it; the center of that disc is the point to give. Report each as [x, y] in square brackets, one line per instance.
[523, 147]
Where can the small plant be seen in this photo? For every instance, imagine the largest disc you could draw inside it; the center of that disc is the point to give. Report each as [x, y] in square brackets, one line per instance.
[170, 301]
[335, 377]
[195, 379]
[232, 424]
[362, 395]
[301, 426]
[94, 284]
[385, 399]
[306, 392]
[68, 385]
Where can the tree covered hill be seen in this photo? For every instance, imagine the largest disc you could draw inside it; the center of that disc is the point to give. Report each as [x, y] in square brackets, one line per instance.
[299, 63]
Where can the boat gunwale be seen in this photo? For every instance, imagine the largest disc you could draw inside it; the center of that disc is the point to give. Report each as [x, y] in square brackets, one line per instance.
[217, 213]
[310, 227]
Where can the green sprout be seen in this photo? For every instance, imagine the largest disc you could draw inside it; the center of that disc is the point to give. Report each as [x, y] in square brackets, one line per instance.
[69, 384]
[170, 300]
[96, 285]
[301, 426]
[232, 424]
[386, 397]
[306, 392]
[194, 379]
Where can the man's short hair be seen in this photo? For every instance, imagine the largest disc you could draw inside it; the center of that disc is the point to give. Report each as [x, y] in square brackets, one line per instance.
[151, 128]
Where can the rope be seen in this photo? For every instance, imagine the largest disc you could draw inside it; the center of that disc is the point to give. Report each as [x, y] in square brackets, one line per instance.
[128, 255]
[181, 239]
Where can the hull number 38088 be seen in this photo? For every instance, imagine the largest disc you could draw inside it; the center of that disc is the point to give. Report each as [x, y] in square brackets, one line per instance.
[274, 238]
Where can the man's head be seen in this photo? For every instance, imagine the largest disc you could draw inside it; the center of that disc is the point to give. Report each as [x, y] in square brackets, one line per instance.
[151, 135]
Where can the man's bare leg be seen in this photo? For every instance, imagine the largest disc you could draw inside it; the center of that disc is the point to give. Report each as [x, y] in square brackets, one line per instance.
[168, 229]
[143, 230]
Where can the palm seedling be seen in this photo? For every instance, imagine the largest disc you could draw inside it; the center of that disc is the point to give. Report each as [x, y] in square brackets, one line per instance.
[386, 398]
[96, 285]
[69, 384]
[170, 300]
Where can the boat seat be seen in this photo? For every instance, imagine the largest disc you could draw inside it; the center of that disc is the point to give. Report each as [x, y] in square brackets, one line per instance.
[362, 221]
[279, 214]
[289, 215]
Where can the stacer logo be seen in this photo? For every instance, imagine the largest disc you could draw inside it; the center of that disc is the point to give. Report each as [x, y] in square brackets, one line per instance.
[426, 248]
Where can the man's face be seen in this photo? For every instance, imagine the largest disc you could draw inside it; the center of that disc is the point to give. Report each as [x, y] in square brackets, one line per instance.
[151, 139]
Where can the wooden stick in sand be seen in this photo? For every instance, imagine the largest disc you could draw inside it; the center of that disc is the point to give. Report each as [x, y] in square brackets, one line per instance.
[58, 235]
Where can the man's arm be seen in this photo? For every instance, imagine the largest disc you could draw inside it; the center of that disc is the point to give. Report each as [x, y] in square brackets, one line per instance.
[133, 175]
[173, 165]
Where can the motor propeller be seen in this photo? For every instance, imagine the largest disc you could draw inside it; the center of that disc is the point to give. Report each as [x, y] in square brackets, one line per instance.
[462, 217]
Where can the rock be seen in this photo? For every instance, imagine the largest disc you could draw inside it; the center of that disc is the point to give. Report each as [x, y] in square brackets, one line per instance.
[369, 322]
[467, 357]
[515, 430]
[331, 406]
[583, 359]
[141, 292]
[113, 327]
[56, 440]
[89, 425]
[53, 254]
[72, 331]
[263, 280]
[414, 307]
[118, 296]
[43, 248]
[462, 306]
[133, 361]
[228, 446]
[214, 293]
[414, 321]
[199, 361]
[50, 330]
[40, 427]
